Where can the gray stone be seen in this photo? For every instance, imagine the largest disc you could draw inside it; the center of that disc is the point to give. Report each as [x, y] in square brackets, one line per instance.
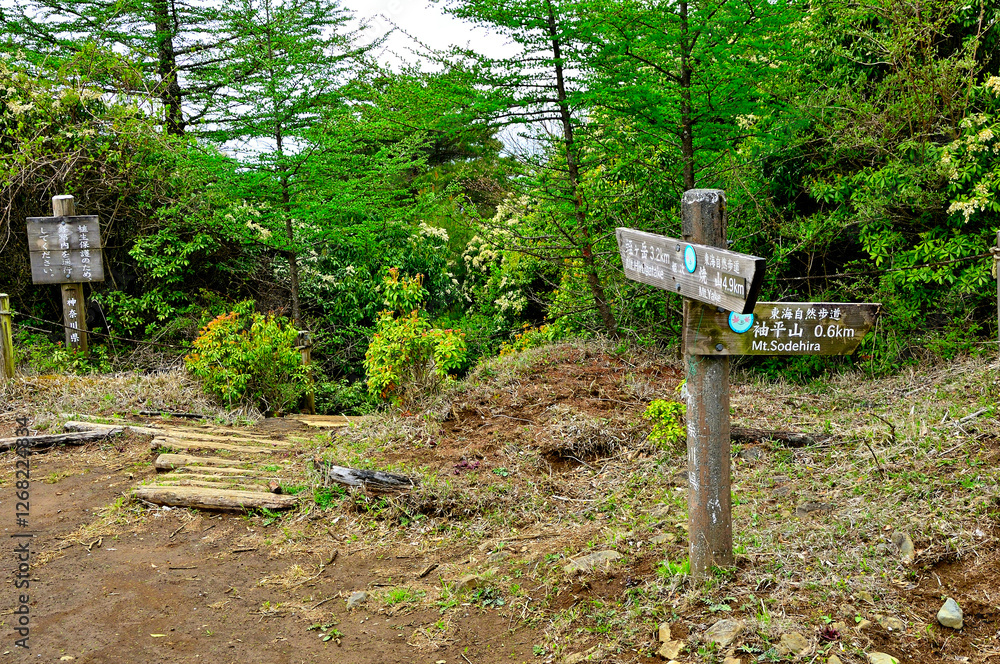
[904, 543]
[590, 561]
[660, 512]
[467, 582]
[750, 453]
[663, 539]
[498, 556]
[356, 599]
[950, 614]
[892, 623]
[724, 632]
[864, 624]
[793, 643]
[808, 508]
[864, 596]
[881, 658]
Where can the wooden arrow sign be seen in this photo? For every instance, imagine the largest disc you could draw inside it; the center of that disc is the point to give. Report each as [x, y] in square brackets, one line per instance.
[780, 328]
[715, 276]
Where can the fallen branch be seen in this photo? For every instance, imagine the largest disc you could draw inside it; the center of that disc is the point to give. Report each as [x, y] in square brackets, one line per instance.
[790, 438]
[374, 480]
[44, 441]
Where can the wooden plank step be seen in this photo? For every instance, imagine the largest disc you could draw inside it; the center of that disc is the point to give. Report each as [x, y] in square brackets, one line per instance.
[325, 421]
[208, 484]
[171, 461]
[186, 444]
[214, 499]
[75, 425]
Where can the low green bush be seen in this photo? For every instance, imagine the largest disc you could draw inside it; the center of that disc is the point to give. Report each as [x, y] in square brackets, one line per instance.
[249, 359]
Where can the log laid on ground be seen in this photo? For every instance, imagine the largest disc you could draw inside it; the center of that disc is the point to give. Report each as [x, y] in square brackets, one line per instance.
[375, 480]
[47, 440]
[790, 438]
[185, 444]
[184, 432]
[214, 499]
[208, 484]
[325, 421]
[159, 413]
[171, 461]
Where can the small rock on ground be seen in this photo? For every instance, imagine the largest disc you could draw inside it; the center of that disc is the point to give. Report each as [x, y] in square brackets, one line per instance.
[881, 658]
[833, 659]
[670, 649]
[590, 561]
[892, 623]
[904, 543]
[356, 599]
[468, 582]
[793, 643]
[950, 615]
[664, 632]
[724, 632]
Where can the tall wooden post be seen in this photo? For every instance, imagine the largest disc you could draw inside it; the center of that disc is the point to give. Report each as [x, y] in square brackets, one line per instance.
[74, 311]
[304, 345]
[710, 527]
[6, 339]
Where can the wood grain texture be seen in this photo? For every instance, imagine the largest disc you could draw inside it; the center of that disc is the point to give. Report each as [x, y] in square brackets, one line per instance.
[721, 277]
[782, 328]
[65, 249]
[214, 499]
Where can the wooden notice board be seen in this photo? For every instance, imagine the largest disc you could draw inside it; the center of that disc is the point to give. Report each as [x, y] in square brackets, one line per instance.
[714, 276]
[65, 249]
[781, 328]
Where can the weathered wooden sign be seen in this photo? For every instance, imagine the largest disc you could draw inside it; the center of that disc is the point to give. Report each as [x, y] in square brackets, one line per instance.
[708, 274]
[781, 328]
[65, 249]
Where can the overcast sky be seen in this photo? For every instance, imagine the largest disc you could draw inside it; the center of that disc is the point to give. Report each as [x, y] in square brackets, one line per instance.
[424, 20]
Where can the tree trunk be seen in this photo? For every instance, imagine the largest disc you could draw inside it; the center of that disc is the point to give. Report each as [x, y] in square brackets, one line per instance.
[687, 123]
[573, 178]
[169, 89]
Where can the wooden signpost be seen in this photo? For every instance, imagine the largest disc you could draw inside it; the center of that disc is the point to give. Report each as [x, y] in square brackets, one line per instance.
[782, 328]
[701, 272]
[66, 249]
[721, 318]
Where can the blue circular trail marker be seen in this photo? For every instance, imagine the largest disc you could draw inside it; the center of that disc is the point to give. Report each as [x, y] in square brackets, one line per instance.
[690, 259]
[740, 323]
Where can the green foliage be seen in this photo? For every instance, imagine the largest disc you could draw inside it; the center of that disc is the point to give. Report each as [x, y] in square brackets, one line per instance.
[249, 359]
[36, 353]
[668, 422]
[407, 357]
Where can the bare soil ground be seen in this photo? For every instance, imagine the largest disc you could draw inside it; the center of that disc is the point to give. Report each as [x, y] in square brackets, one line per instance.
[534, 460]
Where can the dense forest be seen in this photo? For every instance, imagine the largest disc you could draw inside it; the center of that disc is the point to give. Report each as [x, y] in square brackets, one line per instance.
[257, 156]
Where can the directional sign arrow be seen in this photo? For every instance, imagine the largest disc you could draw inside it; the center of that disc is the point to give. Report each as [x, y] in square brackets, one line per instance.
[715, 276]
[781, 328]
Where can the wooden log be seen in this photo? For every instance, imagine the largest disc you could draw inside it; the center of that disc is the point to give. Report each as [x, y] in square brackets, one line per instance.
[325, 421]
[176, 432]
[789, 438]
[207, 484]
[171, 461]
[224, 472]
[214, 499]
[78, 438]
[160, 413]
[367, 479]
[187, 444]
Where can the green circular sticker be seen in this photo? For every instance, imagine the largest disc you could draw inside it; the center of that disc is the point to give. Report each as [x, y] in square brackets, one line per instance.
[690, 259]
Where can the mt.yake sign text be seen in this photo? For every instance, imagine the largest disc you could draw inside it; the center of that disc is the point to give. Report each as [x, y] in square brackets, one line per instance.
[707, 274]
